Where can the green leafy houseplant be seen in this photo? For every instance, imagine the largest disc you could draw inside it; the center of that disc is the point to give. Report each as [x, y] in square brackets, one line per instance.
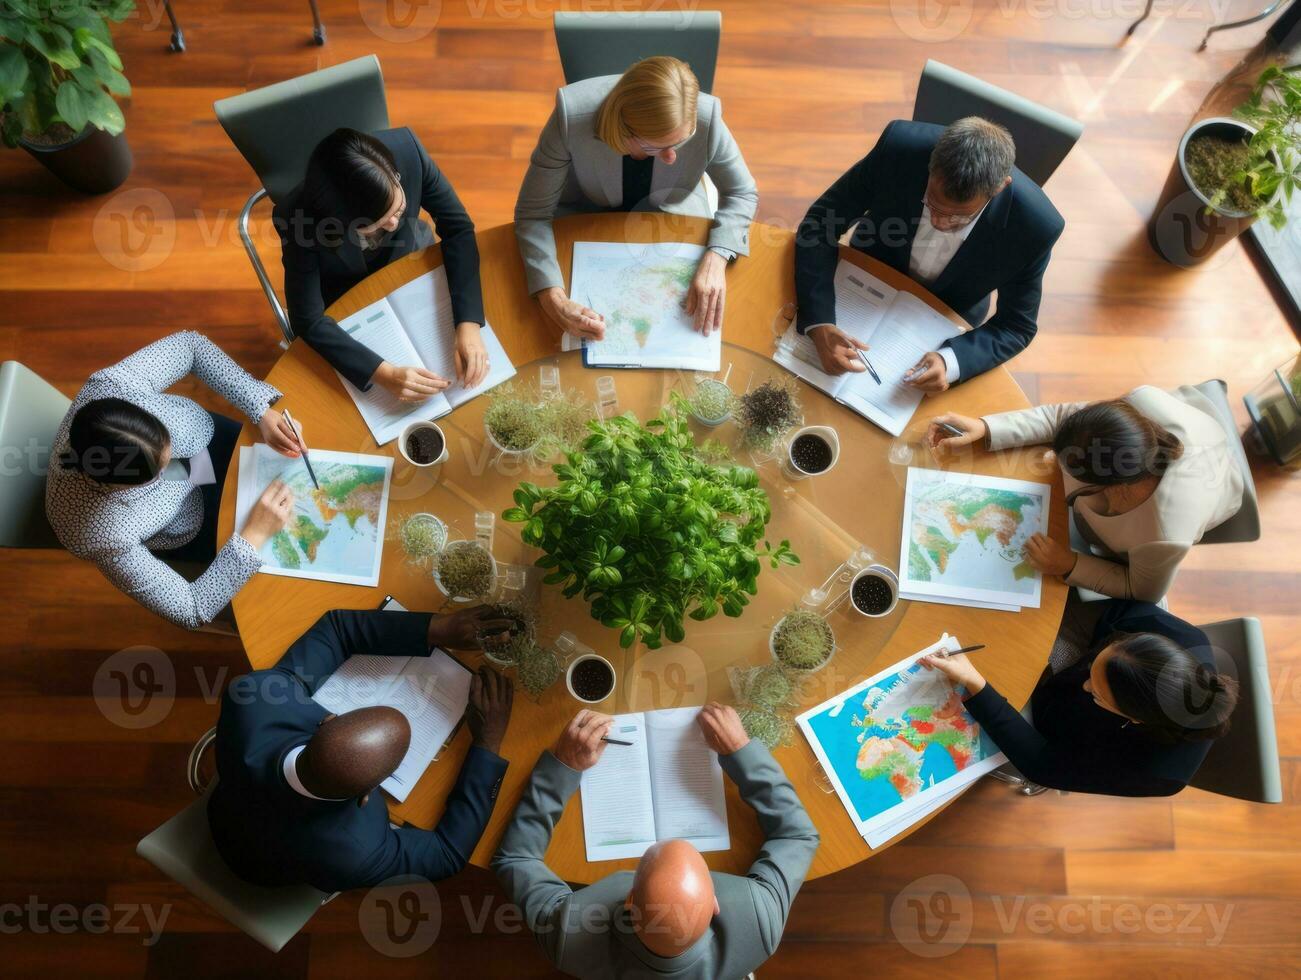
[1274, 152]
[59, 70]
[803, 640]
[465, 570]
[646, 532]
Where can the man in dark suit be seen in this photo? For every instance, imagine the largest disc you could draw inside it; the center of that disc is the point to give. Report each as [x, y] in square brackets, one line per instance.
[947, 207]
[357, 210]
[294, 801]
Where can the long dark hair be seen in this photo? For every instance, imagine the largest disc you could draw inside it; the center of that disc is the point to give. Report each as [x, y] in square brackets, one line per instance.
[1112, 443]
[115, 443]
[350, 182]
[1167, 689]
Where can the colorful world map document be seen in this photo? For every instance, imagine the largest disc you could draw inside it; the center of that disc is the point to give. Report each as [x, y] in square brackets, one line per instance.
[963, 538]
[640, 288]
[897, 742]
[336, 532]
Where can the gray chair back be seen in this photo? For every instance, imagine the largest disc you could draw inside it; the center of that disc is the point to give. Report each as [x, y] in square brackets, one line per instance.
[31, 410]
[183, 850]
[276, 128]
[1245, 524]
[1244, 763]
[594, 44]
[1043, 136]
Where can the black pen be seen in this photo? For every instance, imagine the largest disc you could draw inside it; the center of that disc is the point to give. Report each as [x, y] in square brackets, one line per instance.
[303, 449]
[614, 741]
[954, 653]
[868, 364]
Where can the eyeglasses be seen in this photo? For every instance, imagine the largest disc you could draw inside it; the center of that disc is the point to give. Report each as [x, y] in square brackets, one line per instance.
[959, 220]
[657, 150]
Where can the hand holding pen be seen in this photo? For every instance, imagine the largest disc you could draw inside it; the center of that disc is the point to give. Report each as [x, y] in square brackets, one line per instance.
[302, 447]
[951, 432]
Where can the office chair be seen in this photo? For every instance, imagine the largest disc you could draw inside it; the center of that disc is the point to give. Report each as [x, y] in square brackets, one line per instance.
[593, 44]
[1043, 137]
[276, 128]
[1206, 38]
[183, 850]
[31, 410]
[1244, 762]
[1245, 524]
[178, 36]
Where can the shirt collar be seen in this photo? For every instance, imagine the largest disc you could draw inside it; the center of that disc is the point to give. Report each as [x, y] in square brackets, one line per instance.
[962, 233]
[291, 776]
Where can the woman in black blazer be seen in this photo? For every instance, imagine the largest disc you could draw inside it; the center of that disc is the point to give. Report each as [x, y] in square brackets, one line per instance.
[1136, 717]
[357, 210]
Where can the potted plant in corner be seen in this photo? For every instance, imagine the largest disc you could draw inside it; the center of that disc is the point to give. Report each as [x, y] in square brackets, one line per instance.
[1231, 171]
[59, 72]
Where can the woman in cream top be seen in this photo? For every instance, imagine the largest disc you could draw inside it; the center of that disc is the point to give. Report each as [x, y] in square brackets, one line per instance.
[1147, 475]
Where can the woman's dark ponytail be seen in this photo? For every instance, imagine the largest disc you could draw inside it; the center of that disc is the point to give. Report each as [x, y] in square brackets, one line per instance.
[1112, 443]
[1167, 689]
[116, 443]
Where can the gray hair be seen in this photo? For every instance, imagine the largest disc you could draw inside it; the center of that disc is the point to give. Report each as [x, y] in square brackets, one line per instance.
[972, 158]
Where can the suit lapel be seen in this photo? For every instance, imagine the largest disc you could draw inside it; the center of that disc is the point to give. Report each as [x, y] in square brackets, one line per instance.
[975, 250]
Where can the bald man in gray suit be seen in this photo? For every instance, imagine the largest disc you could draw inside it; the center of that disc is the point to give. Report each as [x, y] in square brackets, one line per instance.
[673, 917]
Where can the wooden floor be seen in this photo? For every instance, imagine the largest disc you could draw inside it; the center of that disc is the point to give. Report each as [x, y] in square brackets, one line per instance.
[1051, 886]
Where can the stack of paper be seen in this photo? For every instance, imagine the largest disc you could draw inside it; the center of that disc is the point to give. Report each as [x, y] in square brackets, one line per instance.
[964, 537]
[667, 784]
[641, 290]
[412, 327]
[898, 328]
[898, 745]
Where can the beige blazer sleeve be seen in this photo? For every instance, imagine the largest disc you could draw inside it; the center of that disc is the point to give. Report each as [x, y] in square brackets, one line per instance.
[539, 196]
[738, 195]
[1147, 577]
[1028, 426]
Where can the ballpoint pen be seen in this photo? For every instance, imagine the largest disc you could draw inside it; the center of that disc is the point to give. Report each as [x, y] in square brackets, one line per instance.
[952, 430]
[301, 448]
[868, 364]
[614, 741]
[953, 653]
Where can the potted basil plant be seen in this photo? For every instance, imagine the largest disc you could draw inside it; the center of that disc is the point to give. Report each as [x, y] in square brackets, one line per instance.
[59, 73]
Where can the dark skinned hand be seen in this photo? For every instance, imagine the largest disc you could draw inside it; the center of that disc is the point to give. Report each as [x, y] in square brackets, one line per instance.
[467, 628]
[488, 713]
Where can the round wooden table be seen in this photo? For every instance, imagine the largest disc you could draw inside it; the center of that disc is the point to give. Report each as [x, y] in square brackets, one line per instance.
[860, 501]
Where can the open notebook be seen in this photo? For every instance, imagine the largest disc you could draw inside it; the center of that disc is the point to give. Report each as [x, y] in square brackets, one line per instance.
[432, 692]
[412, 326]
[897, 326]
[666, 785]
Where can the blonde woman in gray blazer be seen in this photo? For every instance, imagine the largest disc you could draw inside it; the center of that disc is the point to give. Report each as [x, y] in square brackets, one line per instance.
[1147, 475]
[651, 129]
[135, 478]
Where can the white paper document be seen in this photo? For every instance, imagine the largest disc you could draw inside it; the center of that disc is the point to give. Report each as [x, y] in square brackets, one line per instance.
[431, 692]
[640, 289]
[898, 744]
[410, 327]
[336, 533]
[964, 536]
[667, 784]
[897, 326]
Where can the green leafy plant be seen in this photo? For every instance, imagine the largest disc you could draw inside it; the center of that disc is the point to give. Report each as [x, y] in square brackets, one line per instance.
[712, 401]
[1273, 158]
[422, 537]
[536, 667]
[766, 413]
[646, 532]
[513, 418]
[59, 70]
[766, 725]
[465, 570]
[803, 640]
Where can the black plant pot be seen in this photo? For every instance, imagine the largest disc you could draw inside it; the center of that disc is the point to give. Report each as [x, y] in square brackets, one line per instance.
[94, 162]
[1181, 229]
